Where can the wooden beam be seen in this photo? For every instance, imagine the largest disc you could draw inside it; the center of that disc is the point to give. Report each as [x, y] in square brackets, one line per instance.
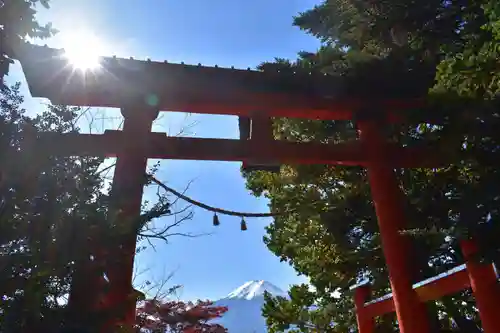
[441, 286]
[160, 146]
[431, 289]
[195, 89]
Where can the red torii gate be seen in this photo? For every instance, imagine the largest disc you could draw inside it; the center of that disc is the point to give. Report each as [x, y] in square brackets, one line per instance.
[143, 88]
[482, 278]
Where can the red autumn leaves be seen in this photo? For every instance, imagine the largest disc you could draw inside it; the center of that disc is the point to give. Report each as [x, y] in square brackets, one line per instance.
[177, 316]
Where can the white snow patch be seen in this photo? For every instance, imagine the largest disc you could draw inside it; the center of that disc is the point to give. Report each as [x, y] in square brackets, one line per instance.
[255, 288]
[245, 304]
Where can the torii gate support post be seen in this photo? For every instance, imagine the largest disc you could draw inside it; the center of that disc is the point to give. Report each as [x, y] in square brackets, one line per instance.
[388, 200]
[361, 296]
[484, 284]
[127, 191]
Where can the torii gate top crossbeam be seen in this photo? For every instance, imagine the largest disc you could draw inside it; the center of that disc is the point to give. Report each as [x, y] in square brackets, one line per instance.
[197, 89]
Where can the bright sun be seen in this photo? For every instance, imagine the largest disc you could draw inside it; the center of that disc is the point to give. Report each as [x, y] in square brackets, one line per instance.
[82, 49]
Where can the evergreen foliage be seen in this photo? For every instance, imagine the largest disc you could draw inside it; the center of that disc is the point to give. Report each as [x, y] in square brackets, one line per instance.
[445, 50]
[18, 22]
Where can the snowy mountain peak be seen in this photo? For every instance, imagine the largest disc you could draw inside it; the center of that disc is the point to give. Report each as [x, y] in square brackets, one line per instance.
[245, 304]
[255, 288]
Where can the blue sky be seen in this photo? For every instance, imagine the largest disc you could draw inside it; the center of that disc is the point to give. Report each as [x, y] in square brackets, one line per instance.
[222, 32]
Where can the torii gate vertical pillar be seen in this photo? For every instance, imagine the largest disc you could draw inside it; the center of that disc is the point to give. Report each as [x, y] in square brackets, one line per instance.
[128, 187]
[485, 287]
[361, 296]
[387, 198]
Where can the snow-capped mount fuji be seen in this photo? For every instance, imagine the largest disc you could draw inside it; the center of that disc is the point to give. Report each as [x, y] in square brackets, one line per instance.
[255, 288]
[245, 304]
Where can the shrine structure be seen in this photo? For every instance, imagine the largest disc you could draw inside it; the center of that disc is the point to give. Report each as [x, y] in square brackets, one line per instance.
[143, 88]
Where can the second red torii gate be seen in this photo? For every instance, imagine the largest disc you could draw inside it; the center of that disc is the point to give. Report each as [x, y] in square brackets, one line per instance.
[142, 88]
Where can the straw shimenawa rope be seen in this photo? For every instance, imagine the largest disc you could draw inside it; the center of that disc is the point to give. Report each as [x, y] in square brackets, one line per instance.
[205, 206]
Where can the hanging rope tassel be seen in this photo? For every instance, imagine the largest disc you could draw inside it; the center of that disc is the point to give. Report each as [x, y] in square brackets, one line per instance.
[216, 220]
[243, 224]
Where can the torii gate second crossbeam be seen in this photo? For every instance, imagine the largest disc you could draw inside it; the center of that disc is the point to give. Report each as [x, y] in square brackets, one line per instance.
[142, 88]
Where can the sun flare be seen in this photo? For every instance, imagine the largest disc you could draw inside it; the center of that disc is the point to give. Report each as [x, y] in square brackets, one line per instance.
[83, 49]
